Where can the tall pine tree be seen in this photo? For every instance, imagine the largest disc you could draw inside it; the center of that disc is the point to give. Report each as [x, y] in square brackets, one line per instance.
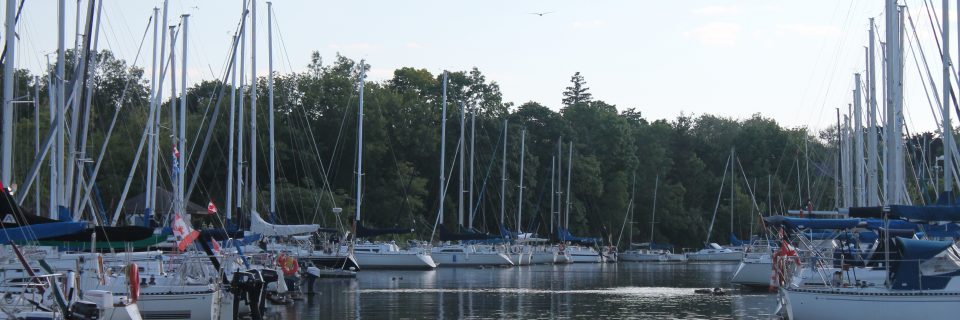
[577, 92]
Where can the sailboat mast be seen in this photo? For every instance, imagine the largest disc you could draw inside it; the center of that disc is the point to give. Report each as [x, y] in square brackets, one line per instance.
[462, 160]
[151, 130]
[473, 138]
[947, 90]
[253, 107]
[523, 138]
[893, 183]
[359, 193]
[553, 176]
[173, 112]
[566, 210]
[560, 211]
[859, 197]
[503, 176]
[8, 92]
[443, 145]
[873, 198]
[733, 183]
[155, 124]
[653, 214]
[273, 150]
[183, 118]
[240, 109]
[233, 116]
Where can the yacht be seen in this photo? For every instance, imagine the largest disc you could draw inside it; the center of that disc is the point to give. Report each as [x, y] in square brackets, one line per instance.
[714, 252]
[387, 255]
[470, 255]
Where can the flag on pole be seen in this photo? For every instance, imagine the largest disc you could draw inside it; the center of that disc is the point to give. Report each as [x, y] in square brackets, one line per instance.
[211, 208]
[183, 232]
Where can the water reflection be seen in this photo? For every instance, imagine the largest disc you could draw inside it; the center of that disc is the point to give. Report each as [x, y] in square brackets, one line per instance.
[625, 290]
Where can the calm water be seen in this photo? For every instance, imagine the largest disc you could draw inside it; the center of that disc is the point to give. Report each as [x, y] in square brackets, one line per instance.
[623, 290]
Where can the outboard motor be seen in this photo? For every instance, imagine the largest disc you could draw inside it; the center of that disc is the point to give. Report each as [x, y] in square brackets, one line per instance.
[250, 287]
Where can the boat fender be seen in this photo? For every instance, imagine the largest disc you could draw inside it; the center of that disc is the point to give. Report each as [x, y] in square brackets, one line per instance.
[133, 278]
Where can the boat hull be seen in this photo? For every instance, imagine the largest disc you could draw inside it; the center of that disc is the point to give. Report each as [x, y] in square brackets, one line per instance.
[870, 303]
[543, 258]
[753, 274]
[446, 259]
[642, 257]
[395, 261]
[735, 256]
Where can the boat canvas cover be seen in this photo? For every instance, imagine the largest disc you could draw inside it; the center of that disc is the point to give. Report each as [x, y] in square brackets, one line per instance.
[39, 231]
[907, 271]
[258, 225]
[806, 223]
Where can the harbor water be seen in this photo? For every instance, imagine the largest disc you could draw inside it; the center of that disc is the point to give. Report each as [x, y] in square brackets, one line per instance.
[602, 291]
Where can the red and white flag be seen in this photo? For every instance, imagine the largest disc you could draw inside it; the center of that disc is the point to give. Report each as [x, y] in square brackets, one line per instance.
[216, 245]
[183, 232]
[211, 208]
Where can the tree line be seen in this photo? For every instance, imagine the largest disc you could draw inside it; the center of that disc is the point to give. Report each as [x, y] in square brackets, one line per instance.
[615, 150]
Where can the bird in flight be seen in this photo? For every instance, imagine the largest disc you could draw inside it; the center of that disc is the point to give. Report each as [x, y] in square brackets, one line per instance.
[541, 13]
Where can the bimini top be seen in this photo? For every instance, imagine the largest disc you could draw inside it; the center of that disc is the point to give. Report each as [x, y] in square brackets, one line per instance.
[925, 264]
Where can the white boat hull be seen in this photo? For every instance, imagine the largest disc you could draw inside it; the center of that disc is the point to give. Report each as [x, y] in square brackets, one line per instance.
[642, 257]
[734, 256]
[159, 302]
[395, 260]
[447, 259]
[870, 303]
[543, 257]
[753, 274]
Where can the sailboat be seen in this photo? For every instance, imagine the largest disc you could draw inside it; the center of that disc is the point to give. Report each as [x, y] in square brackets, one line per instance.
[713, 252]
[469, 249]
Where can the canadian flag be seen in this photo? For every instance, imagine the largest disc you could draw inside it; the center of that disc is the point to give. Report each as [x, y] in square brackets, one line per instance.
[183, 232]
[211, 208]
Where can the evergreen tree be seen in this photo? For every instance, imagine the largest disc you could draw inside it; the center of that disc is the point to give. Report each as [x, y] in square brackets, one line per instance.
[577, 92]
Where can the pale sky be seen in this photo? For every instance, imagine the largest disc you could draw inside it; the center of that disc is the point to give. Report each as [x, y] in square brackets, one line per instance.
[789, 60]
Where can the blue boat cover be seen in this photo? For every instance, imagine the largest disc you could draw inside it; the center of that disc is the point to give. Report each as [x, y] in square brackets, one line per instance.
[874, 224]
[565, 235]
[906, 271]
[40, 231]
[807, 223]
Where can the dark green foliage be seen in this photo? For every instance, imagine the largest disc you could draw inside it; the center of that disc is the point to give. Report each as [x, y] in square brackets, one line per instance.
[316, 121]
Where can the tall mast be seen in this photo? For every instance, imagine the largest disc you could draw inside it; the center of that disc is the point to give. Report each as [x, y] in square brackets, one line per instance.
[56, 172]
[858, 180]
[183, 118]
[653, 215]
[443, 146]
[273, 150]
[566, 210]
[240, 109]
[872, 198]
[253, 107]
[8, 65]
[560, 210]
[359, 193]
[151, 129]
[174, 132]
[523, 138]
[553, 176]
[733, 183]
[155, 124]
[462, 158]
[893, 183]
[473, 138]
[503, 176]
[228, 202]
[947, 126]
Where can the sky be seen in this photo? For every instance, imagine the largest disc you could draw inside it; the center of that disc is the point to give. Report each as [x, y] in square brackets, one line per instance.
[792, 61]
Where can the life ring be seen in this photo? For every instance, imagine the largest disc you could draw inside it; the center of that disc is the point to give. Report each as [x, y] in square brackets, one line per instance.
[516, 250]
[288, 265]
[133, 279]
[563, 248]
